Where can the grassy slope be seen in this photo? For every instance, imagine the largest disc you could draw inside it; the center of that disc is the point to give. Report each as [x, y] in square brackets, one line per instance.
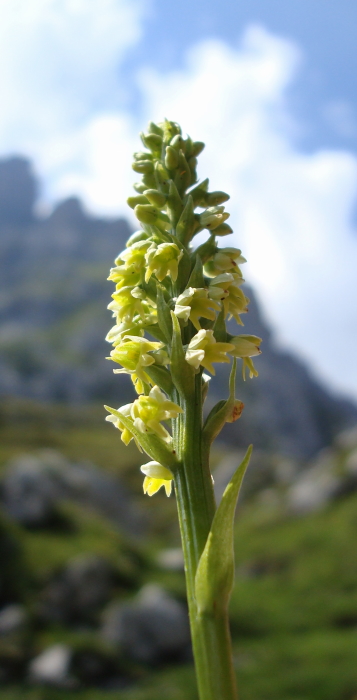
[294, 606]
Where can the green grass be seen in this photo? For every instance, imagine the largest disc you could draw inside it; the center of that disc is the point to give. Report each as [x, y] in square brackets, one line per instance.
[296, 574]
[47, 550]
[80, 433]
[294, 605]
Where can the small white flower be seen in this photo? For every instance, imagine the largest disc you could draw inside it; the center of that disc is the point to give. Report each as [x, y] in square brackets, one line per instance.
[156, 476]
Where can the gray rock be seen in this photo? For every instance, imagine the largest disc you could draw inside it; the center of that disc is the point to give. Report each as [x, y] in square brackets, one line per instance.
[171, 559]
[347, 439]
[151, 629]
[28, 495]
[13, 620]
[351, 463]
[34, 485]
[315, 487]
[266, 470]
[52, 667]
[332, 475]
[76, 593]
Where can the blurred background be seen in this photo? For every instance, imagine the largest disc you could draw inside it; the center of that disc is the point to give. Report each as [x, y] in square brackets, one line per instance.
[92, 594]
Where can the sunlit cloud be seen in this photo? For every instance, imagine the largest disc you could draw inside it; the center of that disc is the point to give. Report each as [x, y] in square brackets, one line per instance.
[59, 65]
[291, 211]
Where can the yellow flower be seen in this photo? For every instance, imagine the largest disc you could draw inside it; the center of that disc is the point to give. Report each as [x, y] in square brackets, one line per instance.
[148, 411]
[132, 354]
[125, 276]
[129, 302]
[203, 349]
[163, 260]
[134, 256]
[193, 304]
[126, 435]
[212, 217]
[117, 332]
[156, 476]
[224, 260]
[226, 287]
[245, 347]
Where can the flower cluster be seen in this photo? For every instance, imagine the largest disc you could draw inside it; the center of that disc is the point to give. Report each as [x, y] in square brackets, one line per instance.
[160, 277]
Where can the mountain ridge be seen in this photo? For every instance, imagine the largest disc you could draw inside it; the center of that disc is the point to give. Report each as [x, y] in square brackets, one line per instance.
[53, 295]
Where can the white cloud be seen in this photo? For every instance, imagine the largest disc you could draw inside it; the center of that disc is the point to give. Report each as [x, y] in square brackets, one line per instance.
[59, 64]
[290, 210]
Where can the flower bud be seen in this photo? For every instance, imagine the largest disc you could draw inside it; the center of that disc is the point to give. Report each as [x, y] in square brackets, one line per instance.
[213, 217]
[162, 174]
[183, 177]
[178, 142]
[139, 187]
[142, 155]
[170, 130]
[223, 230]
[154, 129]
[214, 198]
[133, 201]
[156, 198]
[152, 141]
[143, 166]
[236, 411]
[146, 213]
[171, 158]
[149, 181]
[197, 148]
[134, 238]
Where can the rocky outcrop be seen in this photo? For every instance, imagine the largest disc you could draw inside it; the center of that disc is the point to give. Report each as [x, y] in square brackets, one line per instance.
[53, 296]
[151, 629]
[34, 485]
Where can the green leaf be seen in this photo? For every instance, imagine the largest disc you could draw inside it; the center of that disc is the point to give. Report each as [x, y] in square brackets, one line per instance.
[174, 204]
[151, 443]
[163, 314]
[217, 418]
[183, 375]
[155, 331]
[186, 223]
[199, 192]
[183, 174]
[207, 249]
[219, 328]
[215, 572]
[196, 278]
[161, 376]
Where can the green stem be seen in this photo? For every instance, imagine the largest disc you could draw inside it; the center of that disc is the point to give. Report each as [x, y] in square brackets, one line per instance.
[196, 507]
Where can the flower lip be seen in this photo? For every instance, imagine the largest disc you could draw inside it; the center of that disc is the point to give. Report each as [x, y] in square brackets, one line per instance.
[155, 470]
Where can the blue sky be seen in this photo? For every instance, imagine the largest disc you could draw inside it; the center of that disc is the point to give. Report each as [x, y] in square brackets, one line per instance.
[268, 84]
